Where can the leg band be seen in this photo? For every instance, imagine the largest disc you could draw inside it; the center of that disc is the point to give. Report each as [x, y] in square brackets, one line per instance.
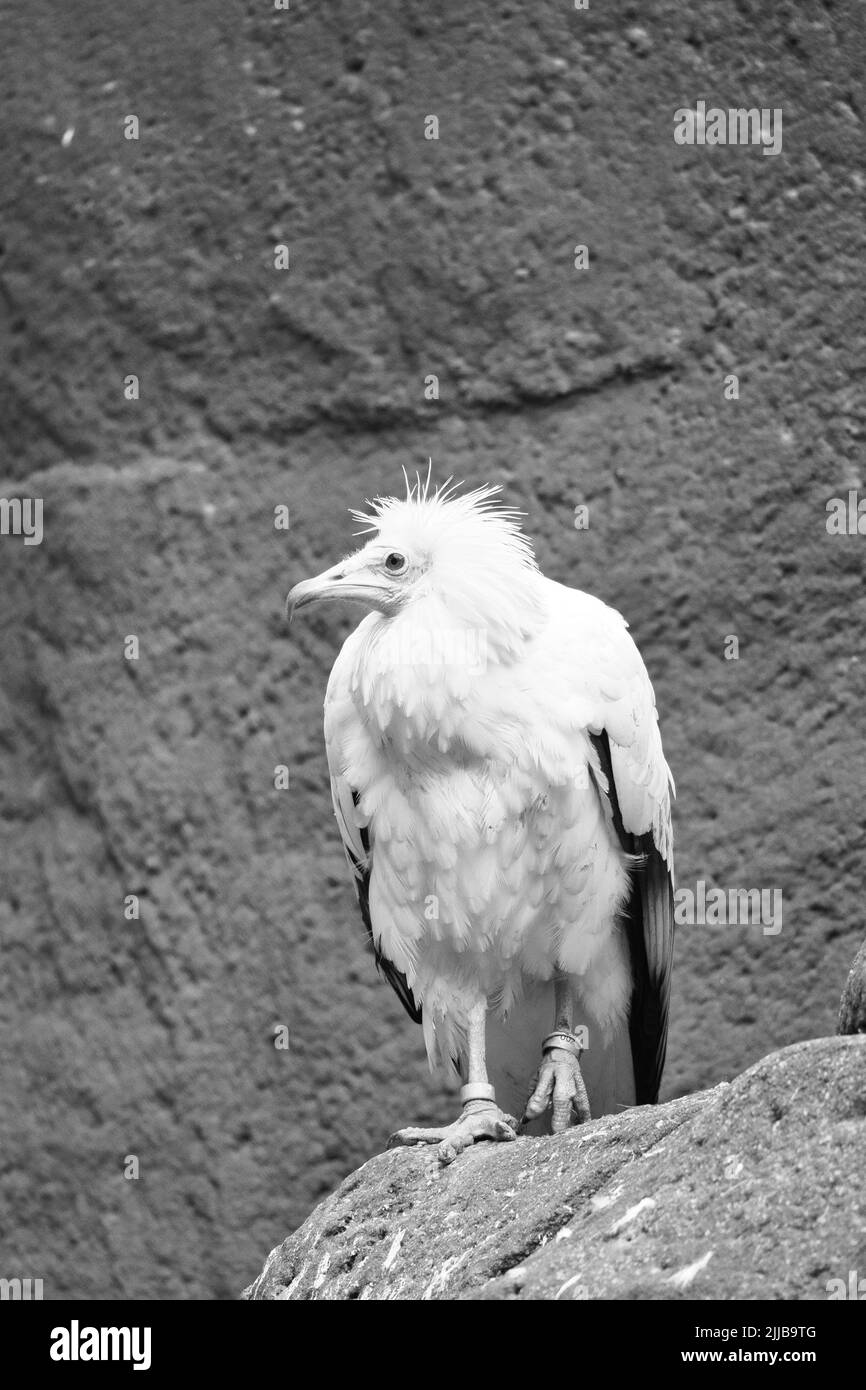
[477, 1090]
[568, 1042]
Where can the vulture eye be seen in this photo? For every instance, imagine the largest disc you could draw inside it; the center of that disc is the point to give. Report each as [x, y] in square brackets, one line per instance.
[396, 563]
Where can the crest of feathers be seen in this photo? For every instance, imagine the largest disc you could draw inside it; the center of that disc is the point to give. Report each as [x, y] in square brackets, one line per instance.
[443, 521]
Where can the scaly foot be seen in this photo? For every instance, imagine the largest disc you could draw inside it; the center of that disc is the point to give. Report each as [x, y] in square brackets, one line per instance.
[480, 1119]
[559, 1084]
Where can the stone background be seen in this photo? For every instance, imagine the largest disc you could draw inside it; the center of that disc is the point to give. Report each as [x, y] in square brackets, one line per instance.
[259, 387]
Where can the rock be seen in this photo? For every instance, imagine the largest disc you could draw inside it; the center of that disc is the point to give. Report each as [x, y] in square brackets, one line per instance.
[751, 1190]
[852, 1007]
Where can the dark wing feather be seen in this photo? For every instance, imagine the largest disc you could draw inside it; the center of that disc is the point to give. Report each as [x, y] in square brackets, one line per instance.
[650, 931]
[361, 869]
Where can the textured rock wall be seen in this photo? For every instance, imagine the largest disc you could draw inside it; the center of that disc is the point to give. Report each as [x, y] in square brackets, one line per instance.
[155, 1037]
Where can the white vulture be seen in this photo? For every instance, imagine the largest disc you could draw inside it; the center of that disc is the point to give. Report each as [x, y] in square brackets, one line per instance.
[499, 782]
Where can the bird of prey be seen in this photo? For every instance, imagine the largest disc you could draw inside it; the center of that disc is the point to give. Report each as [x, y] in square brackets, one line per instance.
[505, 806]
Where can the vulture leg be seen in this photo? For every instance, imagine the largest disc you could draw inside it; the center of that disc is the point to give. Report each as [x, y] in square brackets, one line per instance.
[481, 1117]
[559, 1084]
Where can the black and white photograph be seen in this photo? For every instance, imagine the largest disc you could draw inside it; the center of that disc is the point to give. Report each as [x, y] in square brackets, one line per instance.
[432, 673]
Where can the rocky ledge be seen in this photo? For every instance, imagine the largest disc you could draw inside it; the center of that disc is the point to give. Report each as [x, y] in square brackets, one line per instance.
[751, 1190]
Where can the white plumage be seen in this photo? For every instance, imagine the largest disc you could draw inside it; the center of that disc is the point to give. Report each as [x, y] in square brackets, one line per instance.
[474, 722]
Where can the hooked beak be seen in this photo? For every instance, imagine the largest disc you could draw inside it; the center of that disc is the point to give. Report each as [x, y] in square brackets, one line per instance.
[335, 583]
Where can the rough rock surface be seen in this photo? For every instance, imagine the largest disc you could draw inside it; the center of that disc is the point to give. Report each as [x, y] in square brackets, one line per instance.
[752, 1190]
[155, 1037]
